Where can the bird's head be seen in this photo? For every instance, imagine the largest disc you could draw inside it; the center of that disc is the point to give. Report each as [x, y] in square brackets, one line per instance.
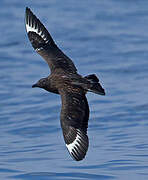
[42, 83]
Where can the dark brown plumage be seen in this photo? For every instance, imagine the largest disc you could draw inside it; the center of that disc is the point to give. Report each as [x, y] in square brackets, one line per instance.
[64, 80]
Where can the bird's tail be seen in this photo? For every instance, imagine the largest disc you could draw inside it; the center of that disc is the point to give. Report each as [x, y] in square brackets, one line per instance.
[37, 33]
[94, 85]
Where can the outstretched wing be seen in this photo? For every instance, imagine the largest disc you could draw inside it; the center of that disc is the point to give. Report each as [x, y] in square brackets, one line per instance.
[43, 43]
[74, 122]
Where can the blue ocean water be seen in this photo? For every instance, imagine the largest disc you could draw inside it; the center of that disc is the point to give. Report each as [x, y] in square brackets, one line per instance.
[108, 38]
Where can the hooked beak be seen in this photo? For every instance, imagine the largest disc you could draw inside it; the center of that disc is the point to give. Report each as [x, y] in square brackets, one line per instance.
[100, 90]
[34, 85]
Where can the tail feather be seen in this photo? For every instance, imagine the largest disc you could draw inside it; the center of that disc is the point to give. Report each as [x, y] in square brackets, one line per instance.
[95, 86]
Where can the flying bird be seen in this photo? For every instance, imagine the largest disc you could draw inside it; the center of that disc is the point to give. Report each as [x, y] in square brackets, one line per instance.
[64, 80]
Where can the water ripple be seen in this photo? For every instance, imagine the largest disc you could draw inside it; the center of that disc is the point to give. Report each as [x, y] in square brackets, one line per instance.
[71, 175]
[109, 39]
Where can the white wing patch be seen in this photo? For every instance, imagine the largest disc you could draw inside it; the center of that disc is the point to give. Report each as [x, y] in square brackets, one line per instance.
[33, 29]
[75, 143]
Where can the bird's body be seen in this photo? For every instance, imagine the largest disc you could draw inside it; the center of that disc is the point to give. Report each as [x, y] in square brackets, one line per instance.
[64, 80]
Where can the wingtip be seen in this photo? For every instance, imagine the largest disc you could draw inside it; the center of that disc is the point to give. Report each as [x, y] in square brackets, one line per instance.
[36, 31]
[29, 15]
[78, 148]
[27, 10]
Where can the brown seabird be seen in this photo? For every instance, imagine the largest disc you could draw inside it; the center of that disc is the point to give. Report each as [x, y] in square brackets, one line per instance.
[64, 80]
